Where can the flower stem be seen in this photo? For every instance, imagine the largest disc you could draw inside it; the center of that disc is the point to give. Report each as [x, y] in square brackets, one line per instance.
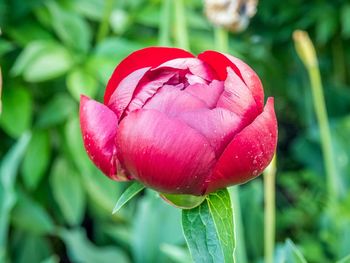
[222, 44]
[104, 25]
[306, 52]
[270, 210]
[181, 35]
[165, 24]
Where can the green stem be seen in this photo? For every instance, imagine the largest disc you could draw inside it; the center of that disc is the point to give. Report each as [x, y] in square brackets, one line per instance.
[307, 54]
[221, 39]
[181, 34]
[270, 210]
[240, 254]
[222, 44]
[165, 24]
[104, 25]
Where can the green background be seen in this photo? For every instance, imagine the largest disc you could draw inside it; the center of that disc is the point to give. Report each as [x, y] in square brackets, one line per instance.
[55, 206]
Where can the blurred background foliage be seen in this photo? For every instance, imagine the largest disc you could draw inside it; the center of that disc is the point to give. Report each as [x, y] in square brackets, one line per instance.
[55, 206]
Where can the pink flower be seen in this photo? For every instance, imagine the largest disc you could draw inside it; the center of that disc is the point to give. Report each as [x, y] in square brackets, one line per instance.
[181, 124]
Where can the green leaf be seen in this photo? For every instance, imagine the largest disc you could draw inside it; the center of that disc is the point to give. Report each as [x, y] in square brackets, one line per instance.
[129, 193]
[209, 229]
[175, 253]
[16, 114]
[80, 249]
[80, 82]
[36, 159]
[41, 61]
[8, 173]
[57, 110]
[28, 215]
[345, 260]
[345, 20]
[292, 254]
[71, 28]
[68, 192]
[183, 201]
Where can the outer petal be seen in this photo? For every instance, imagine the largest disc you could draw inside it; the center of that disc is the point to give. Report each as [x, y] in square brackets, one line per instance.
[238, 98]
[248, 153]
[122, 95]
[164, 153]
[217, 125]
[220, 62]
[147, 57]
[99, 129]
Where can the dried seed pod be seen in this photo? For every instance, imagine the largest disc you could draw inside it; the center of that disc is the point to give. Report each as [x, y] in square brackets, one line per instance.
[233, 15]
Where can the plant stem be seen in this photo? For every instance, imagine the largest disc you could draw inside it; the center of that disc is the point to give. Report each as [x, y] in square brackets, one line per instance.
[222, 44]
[165, 24]
[306, 52]
[270, 210]
[181, 34]
[104, 25]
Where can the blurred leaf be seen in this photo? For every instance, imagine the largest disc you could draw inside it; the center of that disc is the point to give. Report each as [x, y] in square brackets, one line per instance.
[289, 253]
[326, 26]
[36, 159]
[81, 82]
[345, 20]
[30, 248]
[41, 61]
[149, 15]
[71, 28]
[8, 172]
[51, 259]
[208, 229]
[5, 46]
[28, 32]
[344, 260]
[163, 225]
[31, 217]
[92, 9]
[128, 194]
[16, 114]
[68, 192]
[57, 110]
[119, 21]
[80, 249]
[176, 254]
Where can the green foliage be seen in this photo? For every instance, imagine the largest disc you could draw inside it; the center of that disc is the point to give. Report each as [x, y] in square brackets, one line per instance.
[56, 206]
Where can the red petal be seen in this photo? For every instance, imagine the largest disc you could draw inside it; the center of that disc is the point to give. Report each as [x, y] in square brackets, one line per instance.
[219, 62]
[147, 57]
[122, 95]
[248, 153]
[163, 153]
[237, 98]
[208, 93]
[217, 125]
[99, 129]
[171, 101]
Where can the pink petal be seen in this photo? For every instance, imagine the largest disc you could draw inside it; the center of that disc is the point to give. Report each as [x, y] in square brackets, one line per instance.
[194, 65]
[251, 79]
[99, 129]
[147, 57]
[171, 101]
[122, 95]
[148, 89]
[249, 153]
[208, 93]
[163, 153]
[217, 125]
[237, 98]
